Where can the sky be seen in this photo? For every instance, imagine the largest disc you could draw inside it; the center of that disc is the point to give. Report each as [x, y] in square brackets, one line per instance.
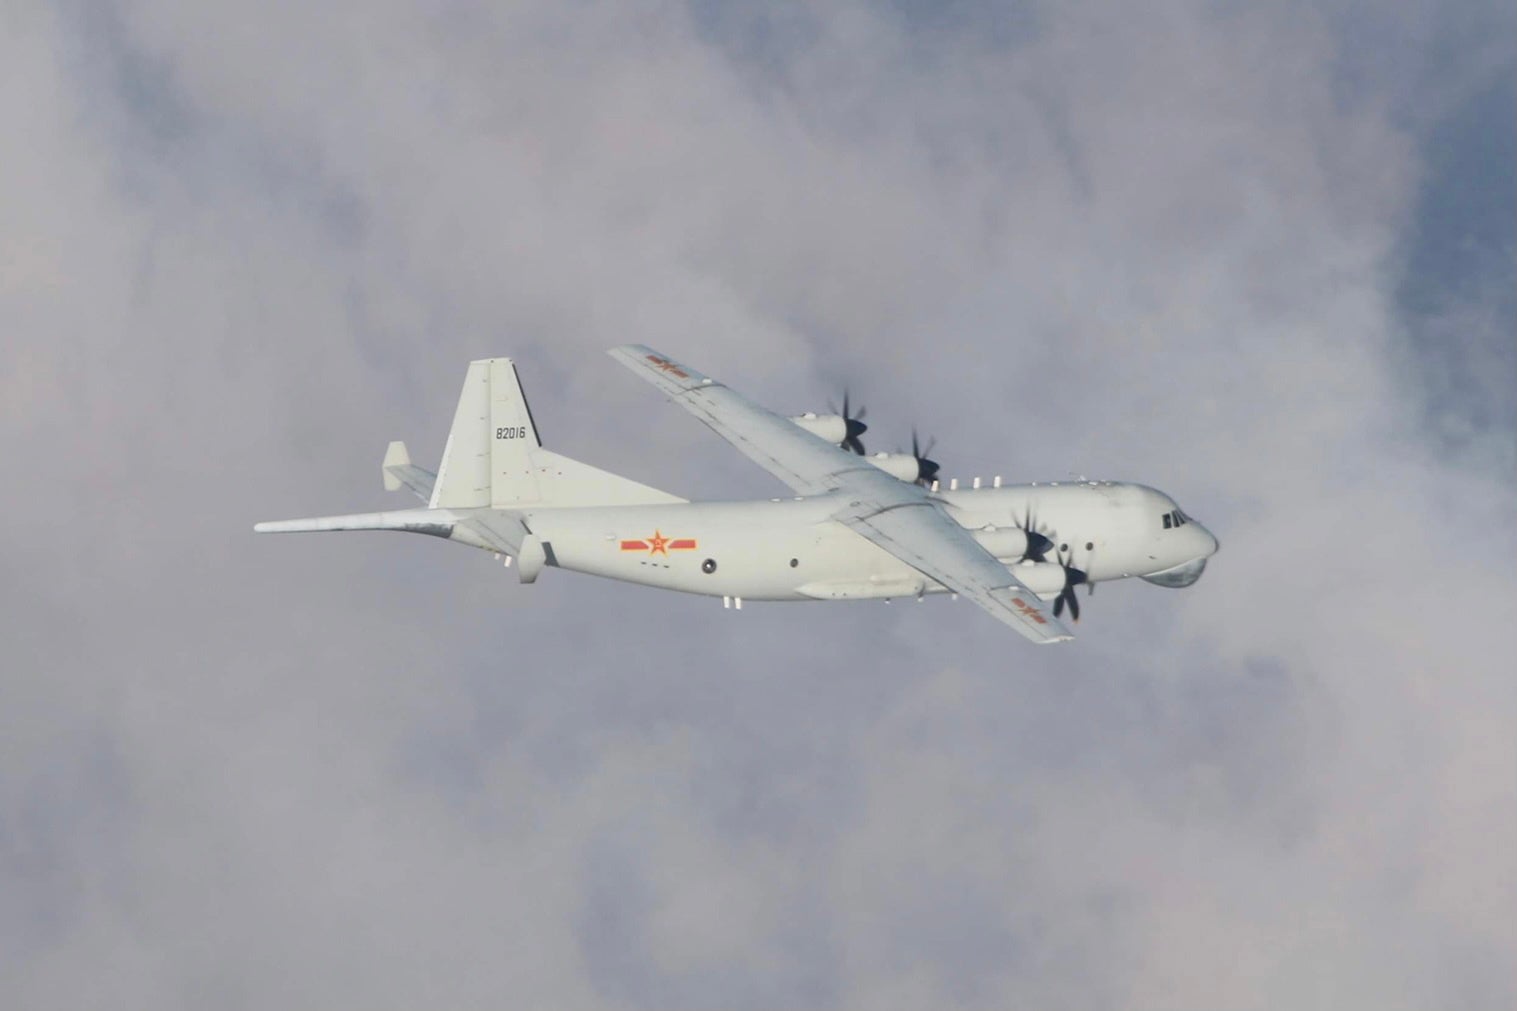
[1259, 256]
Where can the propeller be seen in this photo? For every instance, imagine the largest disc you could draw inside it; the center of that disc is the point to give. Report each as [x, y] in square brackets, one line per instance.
[927, 470]
[1072, 577]
[1038, 544]
[853, 424]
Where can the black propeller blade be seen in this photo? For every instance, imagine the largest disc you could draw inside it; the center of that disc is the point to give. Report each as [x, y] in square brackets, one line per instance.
[853, 425]
[1072, 577]
[1038, 545]
[1067, 596]
[927, 470]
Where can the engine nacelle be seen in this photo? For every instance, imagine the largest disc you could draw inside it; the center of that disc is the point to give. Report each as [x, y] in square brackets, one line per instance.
[1047, 579]
[898, 465]
[831, 428]
[1006, 543]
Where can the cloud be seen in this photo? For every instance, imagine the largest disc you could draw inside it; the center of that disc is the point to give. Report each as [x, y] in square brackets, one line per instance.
[240, 254]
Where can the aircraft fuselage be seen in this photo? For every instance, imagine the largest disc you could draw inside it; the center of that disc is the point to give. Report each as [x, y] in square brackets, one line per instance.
[790, 549]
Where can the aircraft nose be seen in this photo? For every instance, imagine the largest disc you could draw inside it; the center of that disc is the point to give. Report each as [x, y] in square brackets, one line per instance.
[1211, 540]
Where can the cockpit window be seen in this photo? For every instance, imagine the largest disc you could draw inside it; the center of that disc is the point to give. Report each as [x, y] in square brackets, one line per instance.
[1168, 521]
[1175, 518]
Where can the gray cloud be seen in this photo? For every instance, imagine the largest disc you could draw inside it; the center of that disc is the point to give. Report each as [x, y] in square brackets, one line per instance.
[237, 255]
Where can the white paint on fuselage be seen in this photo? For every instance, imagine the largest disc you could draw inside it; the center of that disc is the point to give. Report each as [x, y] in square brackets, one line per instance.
[789, 549]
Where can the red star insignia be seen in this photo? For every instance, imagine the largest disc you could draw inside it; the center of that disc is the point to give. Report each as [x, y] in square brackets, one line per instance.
[658, 544]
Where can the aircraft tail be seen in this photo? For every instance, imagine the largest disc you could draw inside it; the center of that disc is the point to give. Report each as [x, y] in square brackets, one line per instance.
[494, 458]
[398, 471]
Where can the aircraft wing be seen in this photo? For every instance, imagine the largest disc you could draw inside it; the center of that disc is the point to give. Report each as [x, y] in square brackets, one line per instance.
[795, 456]
[899, 517]
[928, 540]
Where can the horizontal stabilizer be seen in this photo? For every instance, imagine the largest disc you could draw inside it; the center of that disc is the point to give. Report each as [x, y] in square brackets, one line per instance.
[437, 522]
[399, 472]
[490, 529]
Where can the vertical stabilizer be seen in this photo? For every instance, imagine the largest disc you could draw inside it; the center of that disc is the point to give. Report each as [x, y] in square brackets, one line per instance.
[463, 477]
[395, 456]
[513, 437]
[494, 459]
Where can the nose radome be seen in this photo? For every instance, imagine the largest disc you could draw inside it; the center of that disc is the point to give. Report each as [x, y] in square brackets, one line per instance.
[1211, 539]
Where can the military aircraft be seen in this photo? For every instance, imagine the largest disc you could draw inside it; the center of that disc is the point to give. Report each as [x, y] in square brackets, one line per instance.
[859, 526]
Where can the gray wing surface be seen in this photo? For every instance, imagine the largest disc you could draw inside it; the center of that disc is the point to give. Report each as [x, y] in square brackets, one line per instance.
[796, 457]
[899, 517]
[927, 539]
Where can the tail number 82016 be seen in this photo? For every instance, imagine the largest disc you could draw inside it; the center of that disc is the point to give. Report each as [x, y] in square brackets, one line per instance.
[511, 432]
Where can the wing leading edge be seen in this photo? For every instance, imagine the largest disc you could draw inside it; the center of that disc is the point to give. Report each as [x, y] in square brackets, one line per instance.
[899, 517]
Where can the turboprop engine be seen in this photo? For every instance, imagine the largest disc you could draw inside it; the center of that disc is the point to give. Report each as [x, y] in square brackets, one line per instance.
[842, 428]
[913, 466]
[1013, 544]
[899, 465]
[1046, 579]
[829, 427]
[1057, 580]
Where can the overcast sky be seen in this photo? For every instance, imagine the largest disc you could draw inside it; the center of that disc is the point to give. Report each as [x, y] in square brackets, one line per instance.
[1260, 256]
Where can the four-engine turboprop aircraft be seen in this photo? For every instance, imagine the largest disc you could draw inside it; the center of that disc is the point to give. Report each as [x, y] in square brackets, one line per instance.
[858, 526]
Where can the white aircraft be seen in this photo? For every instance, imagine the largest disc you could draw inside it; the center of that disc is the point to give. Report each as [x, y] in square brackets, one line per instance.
[858, 526]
